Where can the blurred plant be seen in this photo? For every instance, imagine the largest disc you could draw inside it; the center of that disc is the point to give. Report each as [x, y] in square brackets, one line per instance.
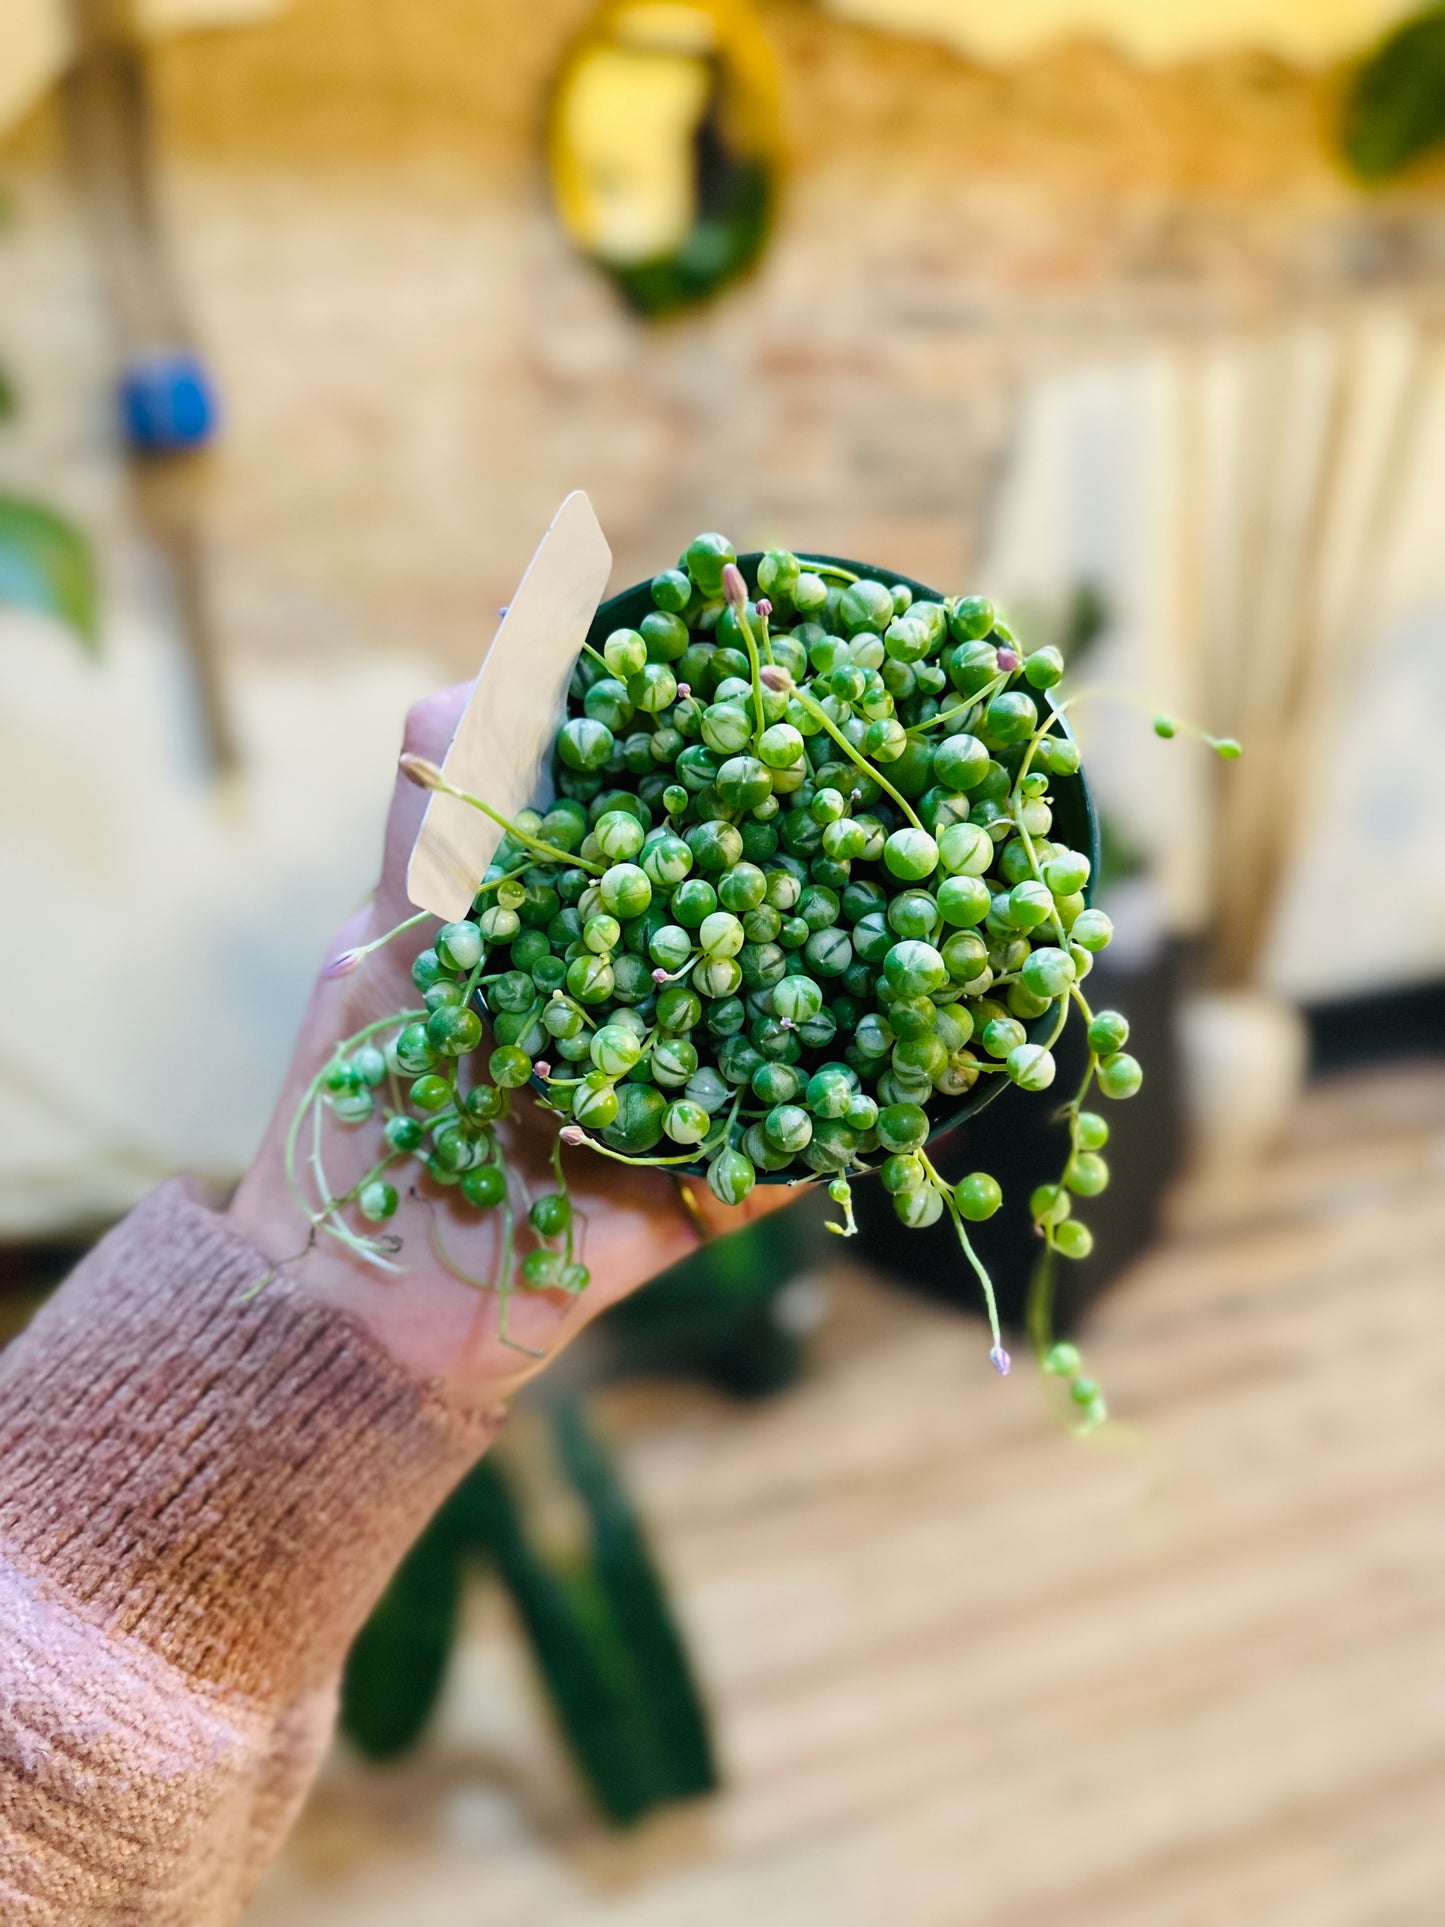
[45, 565]
[608, 1649]
[663, 146]
[1394, 110]
[45, 561]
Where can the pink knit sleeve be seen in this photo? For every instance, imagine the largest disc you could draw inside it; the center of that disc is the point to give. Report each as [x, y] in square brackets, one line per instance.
[201, 1496]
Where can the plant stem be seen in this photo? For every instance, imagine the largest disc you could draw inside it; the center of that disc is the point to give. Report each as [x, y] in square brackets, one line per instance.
[816, 709]
[397, 930]
[529, 842]
[946, 1191]
[756, 667]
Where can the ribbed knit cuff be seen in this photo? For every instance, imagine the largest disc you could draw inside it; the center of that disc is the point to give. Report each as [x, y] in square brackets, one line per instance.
[228, 1479]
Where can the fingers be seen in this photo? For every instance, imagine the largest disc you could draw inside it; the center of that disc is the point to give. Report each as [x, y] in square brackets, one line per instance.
[430, 726]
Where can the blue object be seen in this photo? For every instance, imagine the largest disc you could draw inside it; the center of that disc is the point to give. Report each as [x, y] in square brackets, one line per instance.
[167, 403]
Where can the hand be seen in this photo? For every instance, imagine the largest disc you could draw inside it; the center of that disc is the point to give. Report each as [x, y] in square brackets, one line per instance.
[636, 1223]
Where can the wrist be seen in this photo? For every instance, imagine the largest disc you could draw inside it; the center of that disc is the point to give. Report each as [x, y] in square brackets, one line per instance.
[431, 1322]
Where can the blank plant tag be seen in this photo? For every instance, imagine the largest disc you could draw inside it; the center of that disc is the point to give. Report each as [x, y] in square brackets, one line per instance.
[499, 751]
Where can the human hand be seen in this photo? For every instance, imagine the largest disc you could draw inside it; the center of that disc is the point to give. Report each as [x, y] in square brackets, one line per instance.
[636, 1220]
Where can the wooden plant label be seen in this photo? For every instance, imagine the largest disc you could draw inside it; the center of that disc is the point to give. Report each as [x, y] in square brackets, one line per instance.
[499, 751]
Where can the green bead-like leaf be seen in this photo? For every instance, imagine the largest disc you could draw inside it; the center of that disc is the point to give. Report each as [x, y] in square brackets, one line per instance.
[45, 565]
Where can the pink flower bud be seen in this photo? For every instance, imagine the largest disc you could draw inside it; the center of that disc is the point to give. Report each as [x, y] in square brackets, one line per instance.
[1000, 1360]
[765, 608]
[1008, 660]
[572, 1134]
[420, 770]
[542, 1068]
[684, 690]
[786, 1022]
[659, 976]
[343, 963]
[734, 588]
[773, 676]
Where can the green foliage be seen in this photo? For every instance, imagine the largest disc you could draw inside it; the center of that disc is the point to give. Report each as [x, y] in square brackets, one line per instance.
[394, 1671]
[1395, 109]
[724, 243]
[46, 565]
[602, 1634]
[7, 396]
[673, 1735]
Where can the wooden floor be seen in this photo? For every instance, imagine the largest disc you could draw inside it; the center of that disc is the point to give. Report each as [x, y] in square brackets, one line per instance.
[970, 1671]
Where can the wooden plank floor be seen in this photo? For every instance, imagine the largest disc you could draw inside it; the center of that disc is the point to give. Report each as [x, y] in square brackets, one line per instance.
[970, 1671]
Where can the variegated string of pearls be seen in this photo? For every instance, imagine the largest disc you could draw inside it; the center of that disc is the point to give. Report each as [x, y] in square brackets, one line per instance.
[796, 895]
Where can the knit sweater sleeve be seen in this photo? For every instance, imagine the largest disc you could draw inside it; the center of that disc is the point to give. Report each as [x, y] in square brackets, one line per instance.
[202, 1493]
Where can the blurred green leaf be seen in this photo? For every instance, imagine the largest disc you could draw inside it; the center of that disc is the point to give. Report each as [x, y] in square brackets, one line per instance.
[581, 1666]
[7, 396]
[602, 1634]
[635, 1594]
[601, 1631]
[1395, 108]
[394, 1671]
[45, 565]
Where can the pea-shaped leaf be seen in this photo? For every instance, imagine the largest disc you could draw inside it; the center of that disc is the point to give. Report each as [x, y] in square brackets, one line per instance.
[45, 565]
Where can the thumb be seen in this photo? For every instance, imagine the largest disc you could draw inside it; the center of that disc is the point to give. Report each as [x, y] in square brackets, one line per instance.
[430, 725]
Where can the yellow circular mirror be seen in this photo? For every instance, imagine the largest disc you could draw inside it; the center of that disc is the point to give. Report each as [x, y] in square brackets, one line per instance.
[664, 146]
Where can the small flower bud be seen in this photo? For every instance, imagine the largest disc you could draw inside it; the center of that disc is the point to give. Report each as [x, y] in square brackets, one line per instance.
[773, 676]
[572, 1134]
[1000, 1360]
[542, 1068]
[659, 975]
[343, 963]
[684, 690]
[765, 608]
[734, 588]
[420, 770]
[1008, 660]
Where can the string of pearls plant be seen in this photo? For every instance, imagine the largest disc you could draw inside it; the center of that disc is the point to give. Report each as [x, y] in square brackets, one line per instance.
[796, 897]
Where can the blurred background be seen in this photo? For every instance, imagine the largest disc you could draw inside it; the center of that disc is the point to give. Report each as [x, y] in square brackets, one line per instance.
[1125, 312]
